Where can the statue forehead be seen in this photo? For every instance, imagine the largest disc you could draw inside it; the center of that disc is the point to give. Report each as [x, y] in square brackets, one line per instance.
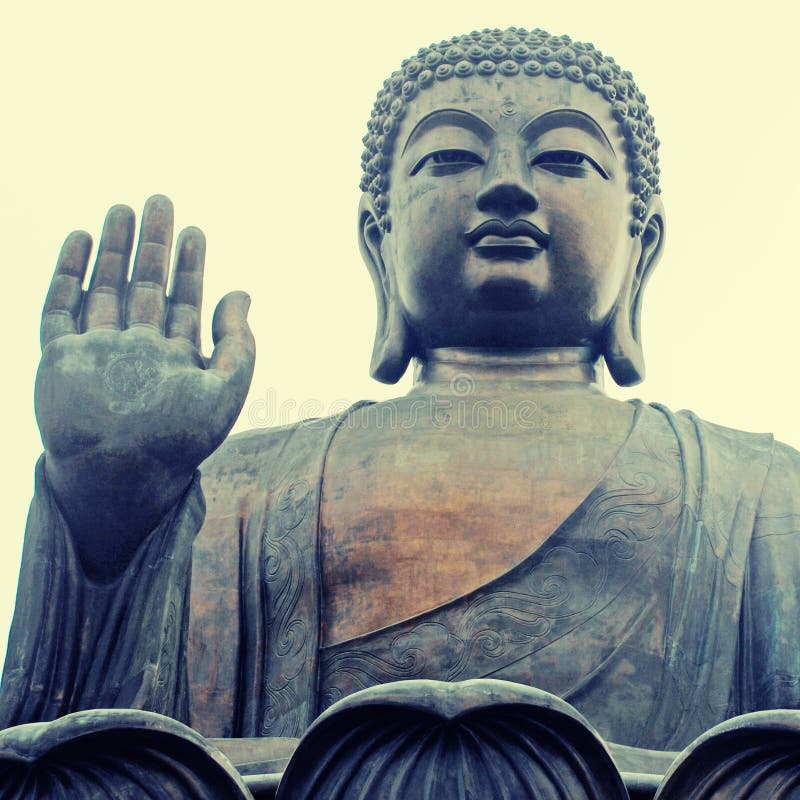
[508, 103]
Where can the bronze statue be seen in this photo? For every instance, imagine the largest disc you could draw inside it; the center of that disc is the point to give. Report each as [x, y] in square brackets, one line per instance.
[505, 519]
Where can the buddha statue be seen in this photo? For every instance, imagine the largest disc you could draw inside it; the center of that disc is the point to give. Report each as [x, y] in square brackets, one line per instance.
[504, 519]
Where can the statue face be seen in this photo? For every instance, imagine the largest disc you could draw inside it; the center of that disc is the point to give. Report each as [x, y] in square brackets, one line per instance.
[510, 214]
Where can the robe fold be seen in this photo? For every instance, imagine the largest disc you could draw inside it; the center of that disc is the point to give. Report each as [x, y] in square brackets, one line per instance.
[666, 602]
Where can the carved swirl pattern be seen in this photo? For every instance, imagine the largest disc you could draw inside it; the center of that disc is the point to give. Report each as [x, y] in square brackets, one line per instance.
[284, 573]
[498, 630]
[290, 575]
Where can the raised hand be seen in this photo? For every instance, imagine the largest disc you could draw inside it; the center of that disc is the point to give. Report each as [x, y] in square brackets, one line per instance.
[126, 404]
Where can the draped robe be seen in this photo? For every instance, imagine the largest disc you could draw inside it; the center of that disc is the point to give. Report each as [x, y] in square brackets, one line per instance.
[666, 602]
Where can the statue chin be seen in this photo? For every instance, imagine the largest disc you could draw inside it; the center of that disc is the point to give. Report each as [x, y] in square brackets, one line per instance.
[507, 294]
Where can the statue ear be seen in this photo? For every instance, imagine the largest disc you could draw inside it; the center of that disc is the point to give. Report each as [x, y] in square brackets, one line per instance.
[623, 344]
[393, 349]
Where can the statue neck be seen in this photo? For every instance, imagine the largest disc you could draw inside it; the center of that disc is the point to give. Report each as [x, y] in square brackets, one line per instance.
[450, 369]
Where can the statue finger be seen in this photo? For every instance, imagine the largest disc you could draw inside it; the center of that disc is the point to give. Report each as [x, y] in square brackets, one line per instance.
[104, 300]
[146, 301]
[62, 306]
[234, 347]
[186, 289]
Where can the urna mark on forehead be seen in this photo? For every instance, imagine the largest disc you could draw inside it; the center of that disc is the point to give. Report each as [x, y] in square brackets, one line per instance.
[517, 54]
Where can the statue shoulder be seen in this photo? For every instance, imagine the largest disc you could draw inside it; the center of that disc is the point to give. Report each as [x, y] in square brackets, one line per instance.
[247, 459]
[760, 453]
[722, 435]
[781, 495]
[736, 452]
[721, 442]
[234, 469]
[729, 465]
[246, 447]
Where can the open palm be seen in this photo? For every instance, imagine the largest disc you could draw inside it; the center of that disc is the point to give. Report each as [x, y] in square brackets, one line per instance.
[126, 403]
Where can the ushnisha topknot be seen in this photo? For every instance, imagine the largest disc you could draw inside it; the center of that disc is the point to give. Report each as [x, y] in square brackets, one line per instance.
[513, 52]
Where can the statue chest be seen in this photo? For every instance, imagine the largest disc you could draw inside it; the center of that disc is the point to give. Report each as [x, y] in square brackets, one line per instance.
[419, 509]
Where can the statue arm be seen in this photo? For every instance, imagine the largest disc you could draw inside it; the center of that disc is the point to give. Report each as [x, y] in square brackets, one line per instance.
[76, 643]
[134, 641]
[770, 625]
[128, 408]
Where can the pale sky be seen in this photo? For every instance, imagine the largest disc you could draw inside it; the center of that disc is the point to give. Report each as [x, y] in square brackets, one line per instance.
[251, 121]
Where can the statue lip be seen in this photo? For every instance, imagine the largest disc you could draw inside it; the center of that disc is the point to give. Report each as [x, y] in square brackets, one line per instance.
[520, 239]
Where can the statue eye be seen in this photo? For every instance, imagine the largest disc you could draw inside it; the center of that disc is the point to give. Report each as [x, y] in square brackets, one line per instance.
[570, 163]
[447, 162]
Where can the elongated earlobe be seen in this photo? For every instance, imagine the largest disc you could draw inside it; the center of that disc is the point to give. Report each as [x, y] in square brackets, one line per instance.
[393, 346]
[623, 341]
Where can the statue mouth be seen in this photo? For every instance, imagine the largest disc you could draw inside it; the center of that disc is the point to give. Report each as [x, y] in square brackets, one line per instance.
[520, 240]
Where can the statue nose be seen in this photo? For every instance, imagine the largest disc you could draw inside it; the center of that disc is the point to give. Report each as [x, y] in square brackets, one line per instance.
[507, 189]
